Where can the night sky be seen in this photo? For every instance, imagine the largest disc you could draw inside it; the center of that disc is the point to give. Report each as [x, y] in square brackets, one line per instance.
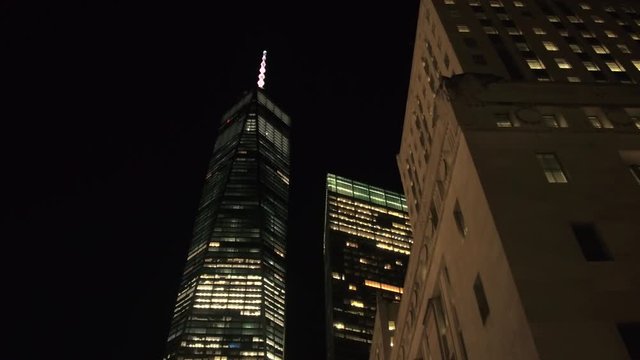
[109, 113]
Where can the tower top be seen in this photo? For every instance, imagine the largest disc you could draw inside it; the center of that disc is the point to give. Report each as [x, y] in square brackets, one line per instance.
[263, 70]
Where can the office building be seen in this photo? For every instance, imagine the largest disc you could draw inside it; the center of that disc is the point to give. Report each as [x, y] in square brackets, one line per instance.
[367, 240]
[520, 160]
[231, 301]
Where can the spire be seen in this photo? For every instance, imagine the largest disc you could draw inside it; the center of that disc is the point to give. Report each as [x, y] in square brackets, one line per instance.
[263, 70]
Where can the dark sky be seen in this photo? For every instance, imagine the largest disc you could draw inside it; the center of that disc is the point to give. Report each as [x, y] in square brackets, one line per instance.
[108, 116]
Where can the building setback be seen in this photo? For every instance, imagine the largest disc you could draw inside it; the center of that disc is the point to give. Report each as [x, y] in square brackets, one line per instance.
[231, 301]
[366, 246]
[520, 159]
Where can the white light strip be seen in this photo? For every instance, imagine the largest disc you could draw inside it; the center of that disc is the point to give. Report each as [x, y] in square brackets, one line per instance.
[263, 70]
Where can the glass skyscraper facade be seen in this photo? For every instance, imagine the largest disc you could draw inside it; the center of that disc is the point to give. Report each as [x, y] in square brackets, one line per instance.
[367, 241]
[231, 301]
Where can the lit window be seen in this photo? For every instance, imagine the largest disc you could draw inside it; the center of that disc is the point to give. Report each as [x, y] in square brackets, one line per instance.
[522, 46]
[518, 4]
[449, 2]
[600, 49]
[590, 66]
[550, 121]
[392, 325]
[599, 122]
[609, 9]
[553, 19]
[549, 45]
[587, 34]
[624, 49]
[356, 303]
[504, 121]
[351, 244]
[338, 325]
[463, 28]
[584, 6]
[562, 63]
[490, 30]
[563, 32]
[636, 63]
[535, 64]
[634, 36]
[615, 66]
[352, 287]
[554, 121]
[514, 31]
[575, 48]
[573, 79]
[552, 169]
[539, 31]
[574, 19]
[610, 34]
[636, 121]
[635, 171]
[597, 19]
[595, 122]
[495, 3]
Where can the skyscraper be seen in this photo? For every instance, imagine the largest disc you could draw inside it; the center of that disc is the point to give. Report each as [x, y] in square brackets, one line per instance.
[519, 158]
[231, 301]
[366, 246]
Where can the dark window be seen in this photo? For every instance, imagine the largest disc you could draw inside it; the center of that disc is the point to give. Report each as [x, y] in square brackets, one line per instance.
[472, 43]
[622, 77]
[635, 171]
[598, 76]
[630, 333]
[507, 59]
[563, 8]
[479, 59]
[459, 217]
[485, 22]
[434, 216]
[584, 56]
[590, 242]
[481, 299]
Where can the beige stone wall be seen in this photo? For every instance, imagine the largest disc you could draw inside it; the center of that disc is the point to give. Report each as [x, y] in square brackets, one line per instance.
[545, 300]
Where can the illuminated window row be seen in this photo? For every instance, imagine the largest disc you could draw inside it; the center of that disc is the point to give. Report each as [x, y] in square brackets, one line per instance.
[372, 207]
[394, 249]
[226, 301]
[383, 286]
[366, 233]
[365, 192]
[377, 229]
[228, 306]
